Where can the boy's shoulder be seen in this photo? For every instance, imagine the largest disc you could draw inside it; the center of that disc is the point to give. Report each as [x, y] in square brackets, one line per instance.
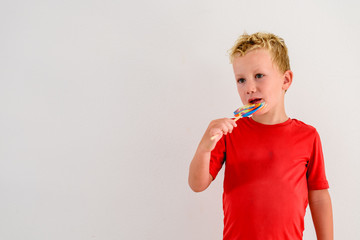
[303, 126]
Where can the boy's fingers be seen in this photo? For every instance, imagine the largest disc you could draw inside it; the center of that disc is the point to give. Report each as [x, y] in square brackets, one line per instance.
[229, 126]
[233, 123]
[216, 131]
[224, 126]
[225, 129]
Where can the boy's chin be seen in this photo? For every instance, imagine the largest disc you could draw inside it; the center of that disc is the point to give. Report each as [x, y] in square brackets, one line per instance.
[258, 114]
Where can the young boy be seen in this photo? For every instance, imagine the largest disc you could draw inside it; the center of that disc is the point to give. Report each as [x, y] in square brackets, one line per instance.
[274, 164]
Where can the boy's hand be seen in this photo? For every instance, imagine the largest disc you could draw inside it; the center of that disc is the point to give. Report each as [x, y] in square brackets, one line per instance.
[218, 128]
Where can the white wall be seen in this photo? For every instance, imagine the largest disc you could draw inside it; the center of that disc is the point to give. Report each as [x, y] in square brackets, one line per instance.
[103, 104]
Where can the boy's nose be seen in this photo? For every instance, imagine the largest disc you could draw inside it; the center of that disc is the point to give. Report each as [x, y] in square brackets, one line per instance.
[250, 88]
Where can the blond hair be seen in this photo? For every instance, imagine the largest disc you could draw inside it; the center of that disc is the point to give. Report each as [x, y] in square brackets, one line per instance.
[261, 40]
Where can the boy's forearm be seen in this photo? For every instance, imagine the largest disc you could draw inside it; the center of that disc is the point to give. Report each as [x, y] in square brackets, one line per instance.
[321, 212]
[199, 176]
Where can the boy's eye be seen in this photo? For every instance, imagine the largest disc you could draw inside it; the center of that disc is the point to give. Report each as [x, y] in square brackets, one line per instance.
[259, 75]
[241, 80]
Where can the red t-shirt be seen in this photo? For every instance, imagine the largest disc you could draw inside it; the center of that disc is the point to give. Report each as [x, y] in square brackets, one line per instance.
[269, 170]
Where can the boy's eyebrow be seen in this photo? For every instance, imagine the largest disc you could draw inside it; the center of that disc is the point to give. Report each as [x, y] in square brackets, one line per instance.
[237, 76]
[256, 70]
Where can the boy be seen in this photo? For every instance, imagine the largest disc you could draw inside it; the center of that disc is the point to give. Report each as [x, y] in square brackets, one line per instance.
[274, 164]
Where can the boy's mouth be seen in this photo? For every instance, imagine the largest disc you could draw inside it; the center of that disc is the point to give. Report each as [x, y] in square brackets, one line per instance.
[255, 100]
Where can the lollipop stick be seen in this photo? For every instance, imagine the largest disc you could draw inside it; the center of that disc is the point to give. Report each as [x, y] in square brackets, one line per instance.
[213, 137]
[237, 118]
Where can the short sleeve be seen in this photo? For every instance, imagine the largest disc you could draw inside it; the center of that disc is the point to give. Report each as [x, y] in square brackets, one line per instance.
[316, 176]
[218, 156]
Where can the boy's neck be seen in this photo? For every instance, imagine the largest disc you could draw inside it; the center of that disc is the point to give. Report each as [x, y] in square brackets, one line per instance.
[270, 119]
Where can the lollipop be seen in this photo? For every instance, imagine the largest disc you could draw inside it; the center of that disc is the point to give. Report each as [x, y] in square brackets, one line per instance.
[246, 111]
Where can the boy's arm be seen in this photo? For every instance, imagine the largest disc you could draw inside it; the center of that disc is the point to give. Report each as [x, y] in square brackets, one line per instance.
[199, 175]
[321, 212]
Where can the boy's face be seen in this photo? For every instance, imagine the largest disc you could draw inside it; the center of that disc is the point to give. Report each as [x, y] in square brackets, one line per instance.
[259, 80]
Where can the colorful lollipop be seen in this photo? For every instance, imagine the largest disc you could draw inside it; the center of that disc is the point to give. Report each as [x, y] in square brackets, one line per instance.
[246, 111]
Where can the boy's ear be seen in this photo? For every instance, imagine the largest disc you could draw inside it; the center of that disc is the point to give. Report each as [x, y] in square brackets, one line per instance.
[288, 77]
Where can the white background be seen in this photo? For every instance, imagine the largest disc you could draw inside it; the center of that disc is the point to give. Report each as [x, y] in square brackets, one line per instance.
[103, 104]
